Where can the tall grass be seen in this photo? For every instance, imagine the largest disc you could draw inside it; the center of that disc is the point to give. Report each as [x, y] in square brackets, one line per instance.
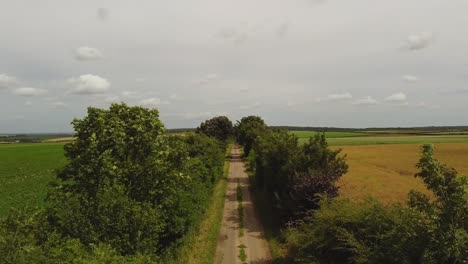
[199, 245]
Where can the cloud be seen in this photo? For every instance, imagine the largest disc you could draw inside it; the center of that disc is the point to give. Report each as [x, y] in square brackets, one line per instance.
[206, 79]
[419, 41]
[398, 97]
[368, 100]
[89, 84]
[235, 36]
[410, 78]
[6, 81]
[102, 13]
[334, 97]
[197, 116]
[152, 102]
[250, 106]
[58, 105]
[112, 99]
[283, 29]
[175, 96]
[29, 91]
[88, 54]
[140, 80]
[130, 95]
[244, 89]
[28, 103]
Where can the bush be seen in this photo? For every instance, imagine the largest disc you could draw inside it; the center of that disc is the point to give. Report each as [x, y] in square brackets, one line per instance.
[427, 231]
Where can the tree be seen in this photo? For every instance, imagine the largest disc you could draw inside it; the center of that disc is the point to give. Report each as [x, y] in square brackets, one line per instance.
[126, 183]
[247, 130]
[218, 127]
[449, 211]
[318, 169]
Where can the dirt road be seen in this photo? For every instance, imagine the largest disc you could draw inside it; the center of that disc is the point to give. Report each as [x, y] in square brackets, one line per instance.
[229, 240]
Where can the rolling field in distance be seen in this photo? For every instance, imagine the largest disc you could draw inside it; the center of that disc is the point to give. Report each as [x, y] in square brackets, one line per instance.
[25, 171]
[386, 172]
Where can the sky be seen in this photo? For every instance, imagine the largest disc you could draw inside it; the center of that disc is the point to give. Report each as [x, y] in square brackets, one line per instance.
[353, 63]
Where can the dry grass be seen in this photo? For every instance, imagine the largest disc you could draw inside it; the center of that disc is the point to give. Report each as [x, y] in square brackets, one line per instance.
[386, 172]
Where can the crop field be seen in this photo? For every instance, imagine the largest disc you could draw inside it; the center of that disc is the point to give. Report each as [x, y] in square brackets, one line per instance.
[385, 137]
[386, 172]
[307, 134]
[25, 171]
[379, 166]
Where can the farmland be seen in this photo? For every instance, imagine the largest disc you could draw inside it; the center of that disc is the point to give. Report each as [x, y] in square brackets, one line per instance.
[386, 172]
[379, 166]
[25, 171]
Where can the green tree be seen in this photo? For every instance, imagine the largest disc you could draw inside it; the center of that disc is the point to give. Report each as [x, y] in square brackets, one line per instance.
[125, 183]
[219, 127]
[247, 130]
[449, 210]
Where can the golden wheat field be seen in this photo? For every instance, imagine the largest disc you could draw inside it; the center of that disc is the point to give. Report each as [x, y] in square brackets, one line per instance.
[386, 172]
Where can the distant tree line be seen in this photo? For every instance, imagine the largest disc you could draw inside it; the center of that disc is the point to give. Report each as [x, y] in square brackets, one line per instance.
[129, 193]
[297, 183]
[370, 129]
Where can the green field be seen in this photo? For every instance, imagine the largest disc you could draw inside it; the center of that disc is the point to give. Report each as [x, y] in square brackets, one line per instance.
[381, 137]
[307, 134]
[25, 171]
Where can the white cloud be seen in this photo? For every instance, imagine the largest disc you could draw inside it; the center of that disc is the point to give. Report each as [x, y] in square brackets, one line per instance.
[410, 78]
[28, 103]
[29, 91]
[244, 89]
[233, 35]
[89, 84]
[88, 54]
[197, 116]
[250, 106]
[129, 95]
[343, 96]
[140, 79]
[334, 97]
[112, 99]
[368, 100]
[58, 105]
[102, 13]
[398, 97]
[206, 79]
[419, 41]
[6, 81]
[283, 29]
[152, 102]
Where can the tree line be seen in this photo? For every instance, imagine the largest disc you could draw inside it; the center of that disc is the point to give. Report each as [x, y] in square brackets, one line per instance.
[129, 193]
[297, 184]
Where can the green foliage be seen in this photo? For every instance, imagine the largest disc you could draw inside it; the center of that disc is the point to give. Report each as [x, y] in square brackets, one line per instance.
[449, 211]
[428, 231]
[218, 127]
[128, 194]
[247, 130]
[358, 232]
[294, 175]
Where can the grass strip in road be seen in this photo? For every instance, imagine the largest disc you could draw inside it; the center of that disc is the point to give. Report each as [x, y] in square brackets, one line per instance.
[240, 209]
[200, 244]
[242, 255]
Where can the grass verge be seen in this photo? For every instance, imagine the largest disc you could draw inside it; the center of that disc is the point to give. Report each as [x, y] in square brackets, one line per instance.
[199, 247]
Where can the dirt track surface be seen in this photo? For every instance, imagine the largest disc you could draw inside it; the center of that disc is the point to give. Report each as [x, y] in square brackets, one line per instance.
[227, 251]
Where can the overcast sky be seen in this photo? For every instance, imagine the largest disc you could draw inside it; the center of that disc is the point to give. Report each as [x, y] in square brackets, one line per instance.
[345, 63]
